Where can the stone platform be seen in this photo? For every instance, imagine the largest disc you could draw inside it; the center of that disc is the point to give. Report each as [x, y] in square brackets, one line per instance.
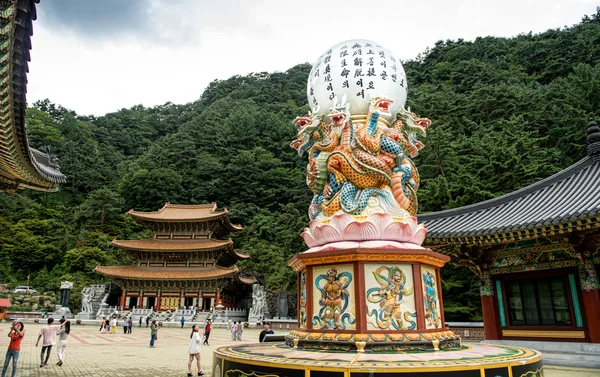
[276, 359]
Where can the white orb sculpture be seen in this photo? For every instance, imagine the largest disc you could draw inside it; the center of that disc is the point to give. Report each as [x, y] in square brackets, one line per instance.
[359, 70]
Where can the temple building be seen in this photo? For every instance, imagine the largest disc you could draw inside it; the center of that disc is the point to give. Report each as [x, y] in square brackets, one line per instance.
[189, 261]
[536, 251]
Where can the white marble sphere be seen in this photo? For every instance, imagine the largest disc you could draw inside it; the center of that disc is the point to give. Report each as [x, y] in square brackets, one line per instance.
[359, 70]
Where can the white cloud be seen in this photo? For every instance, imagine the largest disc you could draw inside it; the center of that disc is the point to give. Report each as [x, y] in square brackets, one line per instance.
[183, 45]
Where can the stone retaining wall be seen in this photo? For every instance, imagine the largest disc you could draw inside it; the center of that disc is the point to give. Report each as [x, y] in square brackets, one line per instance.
[467, 330]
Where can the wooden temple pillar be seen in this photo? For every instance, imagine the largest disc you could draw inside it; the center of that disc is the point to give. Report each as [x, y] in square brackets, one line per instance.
[140, 304]
[488, 307]
[123, 297]
[590, 297]
[218, 298]
[157, 308]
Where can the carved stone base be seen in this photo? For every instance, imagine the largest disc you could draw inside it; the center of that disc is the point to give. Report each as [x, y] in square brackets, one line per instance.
[62, 311]
[85, 316]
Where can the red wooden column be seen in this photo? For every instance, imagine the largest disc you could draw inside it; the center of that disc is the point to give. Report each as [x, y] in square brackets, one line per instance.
[590, 297]
[488, 308]
[490, 318]
[141, 299]
[591, 305]
[123, 297]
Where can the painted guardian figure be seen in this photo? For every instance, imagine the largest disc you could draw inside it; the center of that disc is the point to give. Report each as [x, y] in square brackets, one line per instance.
[359, 137]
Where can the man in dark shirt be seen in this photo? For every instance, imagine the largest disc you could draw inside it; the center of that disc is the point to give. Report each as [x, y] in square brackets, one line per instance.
[267, 330]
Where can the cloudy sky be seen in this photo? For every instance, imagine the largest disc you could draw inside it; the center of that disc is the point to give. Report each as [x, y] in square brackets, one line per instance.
[98, 56]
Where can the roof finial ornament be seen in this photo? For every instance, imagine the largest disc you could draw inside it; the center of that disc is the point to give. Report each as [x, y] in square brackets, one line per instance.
[593, 138]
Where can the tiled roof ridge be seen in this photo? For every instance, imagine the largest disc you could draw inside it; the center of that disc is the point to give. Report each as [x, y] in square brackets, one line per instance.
[186, 206]
[553, 179]
[169, 205]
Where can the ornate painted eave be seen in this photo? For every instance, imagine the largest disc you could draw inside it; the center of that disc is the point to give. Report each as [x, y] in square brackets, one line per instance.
[169, 245]
[165, 273]
[20, 166]
[560, 204]
[222, 251]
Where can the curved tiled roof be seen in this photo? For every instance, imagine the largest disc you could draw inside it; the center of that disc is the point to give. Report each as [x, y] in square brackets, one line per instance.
[185, 213]
[20, 166]
[165, 273]
[247, 280]
[172, 245]
[569, 198]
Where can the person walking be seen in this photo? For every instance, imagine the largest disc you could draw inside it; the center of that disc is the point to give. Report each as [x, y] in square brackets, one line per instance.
[129, 324]
[207, 331]
[16, 335]
[182, 321]
[125, 325]
[113, 325]
[48, 332]
[234, 328]
[240, 331]
[140, 321]
[102, 324]
[194, 350]
[63, 334]
[153, 333]
[147, 320]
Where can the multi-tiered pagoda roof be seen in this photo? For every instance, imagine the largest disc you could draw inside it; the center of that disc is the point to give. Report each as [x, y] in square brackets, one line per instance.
[189, 250]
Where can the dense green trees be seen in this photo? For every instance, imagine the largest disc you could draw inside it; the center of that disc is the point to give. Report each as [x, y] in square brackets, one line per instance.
[506, 112]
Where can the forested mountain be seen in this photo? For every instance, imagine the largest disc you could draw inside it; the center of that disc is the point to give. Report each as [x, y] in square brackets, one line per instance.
[506, 112]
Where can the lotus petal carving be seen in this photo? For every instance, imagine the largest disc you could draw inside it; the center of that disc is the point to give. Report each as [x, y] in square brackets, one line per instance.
[377, 227]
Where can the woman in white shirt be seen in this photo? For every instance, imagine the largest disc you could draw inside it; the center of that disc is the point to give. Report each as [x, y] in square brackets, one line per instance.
[63, 334]
[194, 351]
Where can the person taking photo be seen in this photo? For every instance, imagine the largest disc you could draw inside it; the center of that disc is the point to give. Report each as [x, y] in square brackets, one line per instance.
[15, 334]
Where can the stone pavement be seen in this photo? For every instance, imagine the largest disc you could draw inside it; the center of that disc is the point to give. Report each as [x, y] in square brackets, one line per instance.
[90, 353]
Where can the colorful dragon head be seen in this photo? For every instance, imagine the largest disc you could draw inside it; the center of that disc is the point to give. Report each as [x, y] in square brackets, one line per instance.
[340, 113]
[308, 125]
[412, 127]
[380, 104]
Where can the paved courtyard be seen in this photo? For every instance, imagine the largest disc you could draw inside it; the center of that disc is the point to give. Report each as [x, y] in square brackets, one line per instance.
[90, 353]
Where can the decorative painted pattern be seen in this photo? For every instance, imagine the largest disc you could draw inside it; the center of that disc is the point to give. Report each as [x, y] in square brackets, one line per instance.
[302, 318]
[588, 276]
[486, 288]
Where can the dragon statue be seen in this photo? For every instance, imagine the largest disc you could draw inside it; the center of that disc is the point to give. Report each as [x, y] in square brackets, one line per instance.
[356, 162]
